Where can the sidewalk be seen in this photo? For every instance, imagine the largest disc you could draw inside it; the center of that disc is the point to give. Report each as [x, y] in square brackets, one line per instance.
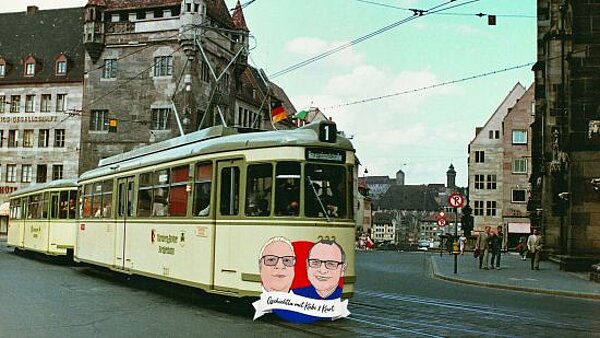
[516, 274]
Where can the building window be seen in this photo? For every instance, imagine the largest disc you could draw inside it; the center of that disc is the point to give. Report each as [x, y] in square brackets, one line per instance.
[57, 172]
[479, 181]
[61, 67]
[99, 120]
[479, 156]
[2, 104]
[519, 166]
[28, 138]
[45, 104]
[29, 103]
[519, 136]
[160, 118]
[110, 69]
[15, 103]
[491, 182]
[224, 85]
[163, 66]
[61, 102]
[205, 73]
[478, 210]
[59, 138]
[44, 138]
[26, 172]
[2, 69]
[490, 208]
[30, 69]
[41, 173]
[11, 173]
[13, 138]
[519, 195]
[1, 138]
[494, 134]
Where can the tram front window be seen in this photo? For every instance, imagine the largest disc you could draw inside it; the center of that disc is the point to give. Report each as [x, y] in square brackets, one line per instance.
[287, 194]
[325, 191]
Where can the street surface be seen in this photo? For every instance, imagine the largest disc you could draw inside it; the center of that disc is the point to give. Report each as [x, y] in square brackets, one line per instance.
[396, 297]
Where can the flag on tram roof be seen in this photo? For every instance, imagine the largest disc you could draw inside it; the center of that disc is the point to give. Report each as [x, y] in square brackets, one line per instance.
[278, 112]
[301, 115]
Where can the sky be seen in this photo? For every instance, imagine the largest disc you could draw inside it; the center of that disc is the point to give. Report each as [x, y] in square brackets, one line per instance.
[421, 132]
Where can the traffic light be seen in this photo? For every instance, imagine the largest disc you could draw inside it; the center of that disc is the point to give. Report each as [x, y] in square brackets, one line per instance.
[467, 221]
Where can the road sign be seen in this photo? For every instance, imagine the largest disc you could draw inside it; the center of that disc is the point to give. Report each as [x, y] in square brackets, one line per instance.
[456, 200]
[442, 222]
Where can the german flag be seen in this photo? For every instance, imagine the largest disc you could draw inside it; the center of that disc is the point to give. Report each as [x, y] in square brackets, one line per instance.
[278, 112]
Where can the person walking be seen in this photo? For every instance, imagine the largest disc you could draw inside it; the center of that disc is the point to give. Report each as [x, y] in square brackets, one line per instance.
[483, 245]
[522, 248]
[534, 245]
[496, 243]
[461, 243]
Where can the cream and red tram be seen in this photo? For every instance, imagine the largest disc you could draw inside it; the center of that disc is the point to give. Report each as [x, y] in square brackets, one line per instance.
[197, 209]
[43, 218]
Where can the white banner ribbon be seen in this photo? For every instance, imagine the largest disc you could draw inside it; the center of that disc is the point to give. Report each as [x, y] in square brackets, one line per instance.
[269, 301]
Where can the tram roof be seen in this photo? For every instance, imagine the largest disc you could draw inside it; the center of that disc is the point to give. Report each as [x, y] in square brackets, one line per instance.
[64, 183]
[212, 140]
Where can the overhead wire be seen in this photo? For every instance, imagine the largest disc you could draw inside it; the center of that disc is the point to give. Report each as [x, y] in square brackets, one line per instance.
[480, 14]
[418, 14]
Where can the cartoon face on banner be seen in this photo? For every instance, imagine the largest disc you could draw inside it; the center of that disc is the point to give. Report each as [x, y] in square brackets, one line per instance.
[302, 281]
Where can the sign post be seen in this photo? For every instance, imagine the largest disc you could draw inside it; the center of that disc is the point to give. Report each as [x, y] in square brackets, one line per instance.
[441, 222]
[456, 201]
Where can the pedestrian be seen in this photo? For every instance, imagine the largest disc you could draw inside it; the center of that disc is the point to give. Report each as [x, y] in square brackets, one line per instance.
[534, 245]
[496, 243]
[522, 248]
[461, 243]
[483, 245]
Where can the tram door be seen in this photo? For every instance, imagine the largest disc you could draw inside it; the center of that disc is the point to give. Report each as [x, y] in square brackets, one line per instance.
[228, 209]
[125, 211]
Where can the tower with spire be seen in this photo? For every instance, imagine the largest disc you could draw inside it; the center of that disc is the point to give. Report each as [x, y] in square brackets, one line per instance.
[451, 177]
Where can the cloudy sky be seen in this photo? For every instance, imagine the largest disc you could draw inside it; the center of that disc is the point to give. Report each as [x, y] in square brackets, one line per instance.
[422, 132]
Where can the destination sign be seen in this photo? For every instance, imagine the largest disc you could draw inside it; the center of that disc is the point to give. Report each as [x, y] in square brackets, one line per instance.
[326, 155]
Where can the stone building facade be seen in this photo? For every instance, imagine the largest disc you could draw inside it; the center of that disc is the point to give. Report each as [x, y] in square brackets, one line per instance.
[486, 153]
[41, 91]
[565, 201]
[157, 69]
[516, 166]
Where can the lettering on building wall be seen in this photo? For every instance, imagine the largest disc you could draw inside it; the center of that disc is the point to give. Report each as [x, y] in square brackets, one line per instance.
[27, 119]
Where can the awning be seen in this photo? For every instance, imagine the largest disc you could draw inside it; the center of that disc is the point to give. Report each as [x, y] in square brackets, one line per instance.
[519, 228]
[4, 209]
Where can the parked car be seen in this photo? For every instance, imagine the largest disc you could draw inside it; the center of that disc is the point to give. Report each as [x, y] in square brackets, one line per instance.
[424, 243]
[387, 246]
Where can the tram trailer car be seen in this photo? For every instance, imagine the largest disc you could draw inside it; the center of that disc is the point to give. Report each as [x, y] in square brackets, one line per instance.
[196, 210]
[43, 218]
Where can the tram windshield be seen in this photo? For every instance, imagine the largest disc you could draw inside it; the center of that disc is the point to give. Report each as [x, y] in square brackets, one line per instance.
[326, 191]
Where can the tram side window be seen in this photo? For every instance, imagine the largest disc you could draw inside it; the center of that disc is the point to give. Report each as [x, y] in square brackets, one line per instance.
[178, 195]
[15, 209]
[230, 191]
[63, 205]
[86, 205]
[144, 208]
[72, 203]
[107, 189]
[202, 187]
[287, 193]
[33, 210]
[44, 206]
[330, 185]
[161, 193]
[258, 189]
[54, 205]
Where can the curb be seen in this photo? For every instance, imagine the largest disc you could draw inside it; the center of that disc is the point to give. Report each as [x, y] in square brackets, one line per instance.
[438, 275]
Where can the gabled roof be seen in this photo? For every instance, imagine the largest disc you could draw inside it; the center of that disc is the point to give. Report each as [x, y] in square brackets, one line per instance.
[409, 197]
[217, 9]
[44, 35]
[515, 93]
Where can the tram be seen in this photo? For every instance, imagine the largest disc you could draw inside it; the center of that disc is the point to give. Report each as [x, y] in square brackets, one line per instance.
[196, 209]
[43, 218]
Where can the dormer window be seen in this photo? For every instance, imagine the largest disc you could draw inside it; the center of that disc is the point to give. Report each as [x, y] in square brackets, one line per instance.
[61, 65]
[30, 64]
